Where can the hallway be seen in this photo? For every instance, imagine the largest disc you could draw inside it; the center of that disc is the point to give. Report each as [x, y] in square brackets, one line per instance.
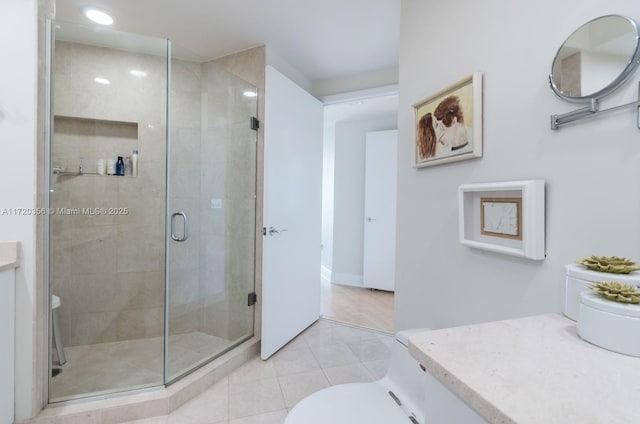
[358, 306]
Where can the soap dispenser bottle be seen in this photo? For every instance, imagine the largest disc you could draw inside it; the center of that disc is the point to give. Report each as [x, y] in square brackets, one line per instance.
[120, 166]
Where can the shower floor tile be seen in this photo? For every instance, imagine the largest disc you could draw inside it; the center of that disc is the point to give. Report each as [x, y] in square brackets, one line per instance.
[127, 365]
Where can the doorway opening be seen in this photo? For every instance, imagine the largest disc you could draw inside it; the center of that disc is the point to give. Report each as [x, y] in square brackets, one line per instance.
[358, 208]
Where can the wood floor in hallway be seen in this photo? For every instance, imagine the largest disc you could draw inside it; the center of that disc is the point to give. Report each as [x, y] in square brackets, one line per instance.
[359, 306]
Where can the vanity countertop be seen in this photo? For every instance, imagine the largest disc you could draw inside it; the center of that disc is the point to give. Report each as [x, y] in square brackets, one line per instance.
[532, 370]
[9, 256]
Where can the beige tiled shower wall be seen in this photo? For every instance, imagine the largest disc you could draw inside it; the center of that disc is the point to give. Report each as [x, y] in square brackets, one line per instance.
[108, 269]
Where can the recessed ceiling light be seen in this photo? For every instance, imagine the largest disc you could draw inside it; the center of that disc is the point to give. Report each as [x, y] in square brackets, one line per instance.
[101, 80]
[98, 16]
[138, 73]
[250, 93]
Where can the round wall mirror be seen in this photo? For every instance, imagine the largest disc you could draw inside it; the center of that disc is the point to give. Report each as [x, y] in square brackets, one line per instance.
[596, 59]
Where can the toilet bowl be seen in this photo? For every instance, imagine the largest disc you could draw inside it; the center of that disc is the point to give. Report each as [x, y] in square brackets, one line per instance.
[399, 397]
[57, 338]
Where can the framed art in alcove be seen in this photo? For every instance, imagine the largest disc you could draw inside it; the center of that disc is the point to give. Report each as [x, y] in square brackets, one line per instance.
[506, 217]
[448, 124]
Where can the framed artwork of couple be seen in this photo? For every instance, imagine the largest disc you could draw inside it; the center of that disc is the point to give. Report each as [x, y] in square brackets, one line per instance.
[448, 125]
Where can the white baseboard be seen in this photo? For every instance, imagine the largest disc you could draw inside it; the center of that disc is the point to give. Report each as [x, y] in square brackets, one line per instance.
[344, 279]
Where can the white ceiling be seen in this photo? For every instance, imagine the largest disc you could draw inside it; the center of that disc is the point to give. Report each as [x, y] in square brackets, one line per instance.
[322, 39]
[379, 107]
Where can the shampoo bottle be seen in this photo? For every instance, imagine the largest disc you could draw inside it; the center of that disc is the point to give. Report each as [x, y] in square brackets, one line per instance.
[127, 166]
[134, 163]
[120, 166]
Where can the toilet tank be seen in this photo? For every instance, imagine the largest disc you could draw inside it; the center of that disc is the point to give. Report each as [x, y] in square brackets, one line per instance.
[577, 280]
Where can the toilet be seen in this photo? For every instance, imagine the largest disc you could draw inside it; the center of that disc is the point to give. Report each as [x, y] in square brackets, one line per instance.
[57, 338]
[399, 397]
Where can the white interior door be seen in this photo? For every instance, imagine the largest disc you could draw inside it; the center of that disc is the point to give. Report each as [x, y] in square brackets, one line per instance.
[380, 210]
[292, 210]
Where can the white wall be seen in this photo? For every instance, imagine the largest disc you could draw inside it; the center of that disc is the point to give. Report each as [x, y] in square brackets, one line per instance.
[18, 125]
[348, 197]
[592, 169]
[328, 156]
[274, 59]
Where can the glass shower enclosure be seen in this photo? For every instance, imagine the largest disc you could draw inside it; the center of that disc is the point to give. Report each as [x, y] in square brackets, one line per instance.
[151, 232]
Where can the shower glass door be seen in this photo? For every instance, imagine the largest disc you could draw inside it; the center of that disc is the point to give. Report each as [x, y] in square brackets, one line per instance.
[211, 212]
[106, 232]
[150, 271]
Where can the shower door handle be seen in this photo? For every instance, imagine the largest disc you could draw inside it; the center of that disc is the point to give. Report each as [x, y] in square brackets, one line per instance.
[185, 234]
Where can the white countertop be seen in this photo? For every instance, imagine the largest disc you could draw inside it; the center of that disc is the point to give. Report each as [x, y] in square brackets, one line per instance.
[532, 370]
[9, 256]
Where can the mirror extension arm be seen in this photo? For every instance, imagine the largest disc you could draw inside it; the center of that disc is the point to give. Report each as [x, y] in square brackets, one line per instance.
[590, 111]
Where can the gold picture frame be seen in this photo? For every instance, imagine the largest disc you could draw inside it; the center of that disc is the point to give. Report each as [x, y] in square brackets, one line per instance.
[448, 124]
[501, 217]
